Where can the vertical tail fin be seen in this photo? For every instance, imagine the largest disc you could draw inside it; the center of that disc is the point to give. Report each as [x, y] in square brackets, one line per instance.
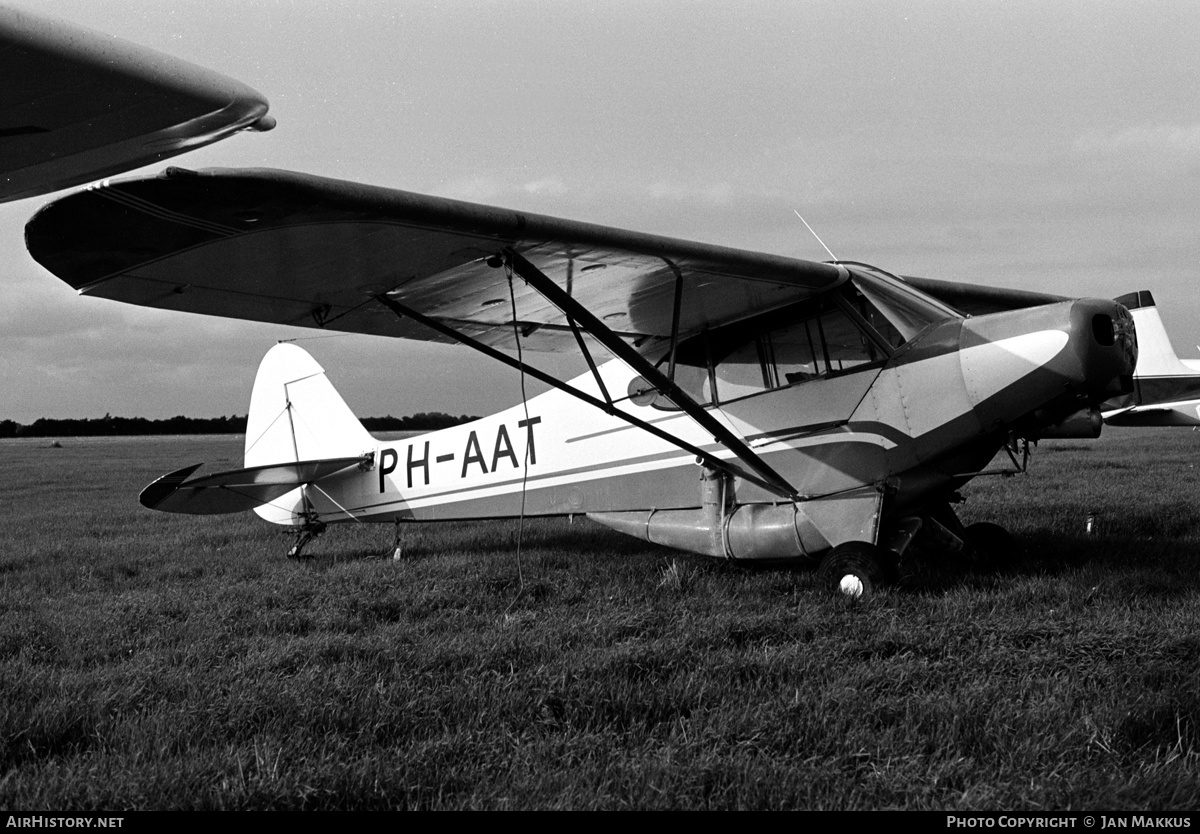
[296, 415]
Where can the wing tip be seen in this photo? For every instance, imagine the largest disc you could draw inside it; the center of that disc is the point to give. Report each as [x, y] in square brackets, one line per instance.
[166, 486]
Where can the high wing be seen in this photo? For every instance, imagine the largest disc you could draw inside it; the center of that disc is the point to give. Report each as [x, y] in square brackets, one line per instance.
[77, 105]
[297, 249]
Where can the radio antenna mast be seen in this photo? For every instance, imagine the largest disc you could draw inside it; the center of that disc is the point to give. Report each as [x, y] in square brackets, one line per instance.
[818, 237]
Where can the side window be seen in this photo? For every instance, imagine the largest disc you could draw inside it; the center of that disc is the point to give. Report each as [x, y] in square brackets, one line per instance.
[794, 353]
[691, 375]
[826, 344]
[845, 345]
[694, 380]
[822, 338]
[741, 373]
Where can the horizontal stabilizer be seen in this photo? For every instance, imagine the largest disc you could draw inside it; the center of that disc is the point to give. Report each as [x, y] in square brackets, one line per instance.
[238, 489]
[1182, 413]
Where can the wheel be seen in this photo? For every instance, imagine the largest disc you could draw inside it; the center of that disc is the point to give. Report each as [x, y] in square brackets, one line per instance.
[308, 532]
[993, 547]
[856, 569]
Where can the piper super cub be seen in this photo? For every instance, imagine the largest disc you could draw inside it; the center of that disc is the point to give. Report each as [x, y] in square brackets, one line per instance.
[737, 404]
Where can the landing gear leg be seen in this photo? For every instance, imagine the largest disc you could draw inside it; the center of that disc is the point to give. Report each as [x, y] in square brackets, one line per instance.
[397, 546]
[311, 529]
[986, 546]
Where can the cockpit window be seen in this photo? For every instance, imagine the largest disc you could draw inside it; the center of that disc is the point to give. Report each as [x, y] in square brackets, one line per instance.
[825, 344]
[859, 324]
[742, 371]
[904, 309]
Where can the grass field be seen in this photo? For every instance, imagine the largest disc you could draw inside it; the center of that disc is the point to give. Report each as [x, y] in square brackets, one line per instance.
[150, 661]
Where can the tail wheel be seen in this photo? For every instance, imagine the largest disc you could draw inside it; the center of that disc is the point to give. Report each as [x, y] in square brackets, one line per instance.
[857, 569]
[311, 529]
[993, 546]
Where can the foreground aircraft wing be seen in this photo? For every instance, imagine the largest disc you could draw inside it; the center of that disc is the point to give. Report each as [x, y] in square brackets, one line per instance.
[77, 105]
[297, 249]
[239, 489]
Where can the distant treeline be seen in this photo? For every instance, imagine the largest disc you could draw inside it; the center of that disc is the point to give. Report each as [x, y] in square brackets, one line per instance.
[109, 425]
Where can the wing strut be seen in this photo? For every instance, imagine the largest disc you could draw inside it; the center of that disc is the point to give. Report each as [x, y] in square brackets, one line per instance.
[608, 407]
[574, 311]
[676, 309]
[587, 354]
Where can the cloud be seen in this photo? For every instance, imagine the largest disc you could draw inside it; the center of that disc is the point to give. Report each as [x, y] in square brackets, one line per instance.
[501, 188]
[710, 194]
[1153, 145]
[476, 189]
[549, 186]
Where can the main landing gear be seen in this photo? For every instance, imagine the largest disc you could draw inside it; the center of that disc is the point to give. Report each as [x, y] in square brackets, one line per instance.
[858, 569]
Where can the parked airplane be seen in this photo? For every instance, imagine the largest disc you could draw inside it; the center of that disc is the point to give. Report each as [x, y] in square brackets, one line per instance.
[1166, 388]
[756, 407]
[78, 105]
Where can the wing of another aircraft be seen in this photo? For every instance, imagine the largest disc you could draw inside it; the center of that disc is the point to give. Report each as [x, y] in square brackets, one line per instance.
[297, 249]
[978, 300]
[77, 105]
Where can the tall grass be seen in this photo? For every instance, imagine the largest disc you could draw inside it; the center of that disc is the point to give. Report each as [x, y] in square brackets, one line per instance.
[156, 661]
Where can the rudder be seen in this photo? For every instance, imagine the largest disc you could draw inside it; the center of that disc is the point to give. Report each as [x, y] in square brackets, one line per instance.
[297, 415]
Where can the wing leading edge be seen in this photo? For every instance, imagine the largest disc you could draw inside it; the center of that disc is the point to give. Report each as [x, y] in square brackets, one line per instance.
[297, 249]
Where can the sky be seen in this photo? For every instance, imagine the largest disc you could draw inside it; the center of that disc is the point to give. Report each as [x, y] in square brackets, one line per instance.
[1044, 146]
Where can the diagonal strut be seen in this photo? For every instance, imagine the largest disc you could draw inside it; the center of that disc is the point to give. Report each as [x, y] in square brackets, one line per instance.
[403, 311]
[574, 311]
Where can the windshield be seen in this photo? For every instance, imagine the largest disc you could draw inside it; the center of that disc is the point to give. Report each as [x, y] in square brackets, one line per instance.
[906, 309]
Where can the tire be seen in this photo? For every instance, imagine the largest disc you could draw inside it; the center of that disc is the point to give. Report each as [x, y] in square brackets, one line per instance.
[993, 548]
[856, 570]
